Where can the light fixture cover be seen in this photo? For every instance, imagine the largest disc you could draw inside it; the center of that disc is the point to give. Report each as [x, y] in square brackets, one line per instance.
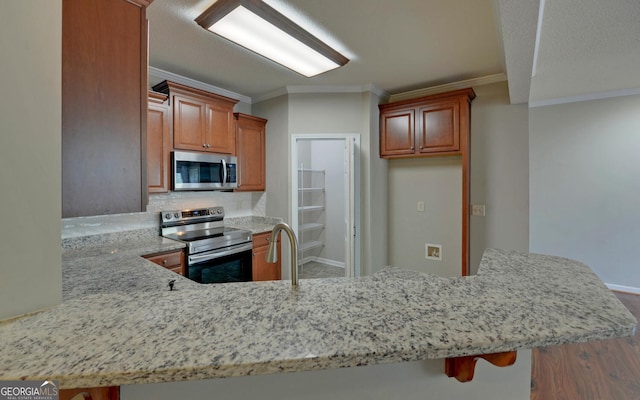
[258, 27]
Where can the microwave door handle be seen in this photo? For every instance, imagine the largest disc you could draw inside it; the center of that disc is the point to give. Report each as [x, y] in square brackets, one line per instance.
[224, 172]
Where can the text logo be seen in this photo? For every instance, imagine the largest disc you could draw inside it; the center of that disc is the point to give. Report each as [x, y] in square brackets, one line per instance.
[29, 390]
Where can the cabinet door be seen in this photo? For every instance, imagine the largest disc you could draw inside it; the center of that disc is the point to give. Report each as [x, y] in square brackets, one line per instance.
[220, 136]
[189, 116]
[397, 132]
[261, 269]
[438, 129]
[158, 146]
[250, 140]
[104, 107]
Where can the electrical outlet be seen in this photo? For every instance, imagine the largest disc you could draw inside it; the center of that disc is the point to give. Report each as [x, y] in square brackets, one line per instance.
[421, 206]
[433, 251]
[477, 210]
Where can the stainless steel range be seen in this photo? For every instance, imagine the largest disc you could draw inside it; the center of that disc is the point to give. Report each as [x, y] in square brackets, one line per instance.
[215, 253]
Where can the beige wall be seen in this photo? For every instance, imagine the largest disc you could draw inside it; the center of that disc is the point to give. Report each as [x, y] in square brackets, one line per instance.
[585, 185]
[499, 172]
[278, 176]
[375, 187]
[329, 113]
[30, 155]
[438, 183]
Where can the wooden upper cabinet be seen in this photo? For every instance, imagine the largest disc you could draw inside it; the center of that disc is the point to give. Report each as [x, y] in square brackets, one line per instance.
[425, 126]
[104, 107]
[158, 144]
[219, 130]
[202, 121]
[438, 128]
[397, 132]
[189, 118]
[250, 145]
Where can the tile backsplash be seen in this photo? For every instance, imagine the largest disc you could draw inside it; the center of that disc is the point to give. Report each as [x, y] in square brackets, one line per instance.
[235, 205]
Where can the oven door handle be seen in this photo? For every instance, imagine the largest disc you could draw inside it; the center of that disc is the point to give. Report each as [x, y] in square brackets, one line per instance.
[217, 254]
[224, 173]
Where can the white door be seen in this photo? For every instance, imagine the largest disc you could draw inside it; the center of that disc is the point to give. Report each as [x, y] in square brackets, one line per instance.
[350, 219]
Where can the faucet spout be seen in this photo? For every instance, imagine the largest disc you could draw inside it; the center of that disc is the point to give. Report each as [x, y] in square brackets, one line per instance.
[272, 255]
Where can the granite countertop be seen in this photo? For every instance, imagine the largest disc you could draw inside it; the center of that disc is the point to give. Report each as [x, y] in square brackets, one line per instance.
[254, 224]
[119, 334]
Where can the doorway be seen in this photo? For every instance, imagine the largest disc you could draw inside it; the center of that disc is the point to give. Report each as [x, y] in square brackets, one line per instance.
[324, 197]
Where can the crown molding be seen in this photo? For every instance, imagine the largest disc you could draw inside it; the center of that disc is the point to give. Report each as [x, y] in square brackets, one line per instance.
[448, 87]
[322, 89]
[624, 289]
[170, 76]
[585, 97]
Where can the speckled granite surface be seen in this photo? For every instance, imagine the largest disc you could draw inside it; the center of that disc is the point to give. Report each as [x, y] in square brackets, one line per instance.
[110, 337]
[254, 224]
[118, 268]
[101, 239]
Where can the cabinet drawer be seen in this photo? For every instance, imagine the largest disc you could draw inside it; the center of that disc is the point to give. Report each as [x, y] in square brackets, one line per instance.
[173, 261]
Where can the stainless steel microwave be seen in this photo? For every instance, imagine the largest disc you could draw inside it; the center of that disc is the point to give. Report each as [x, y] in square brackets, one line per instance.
[203, 171]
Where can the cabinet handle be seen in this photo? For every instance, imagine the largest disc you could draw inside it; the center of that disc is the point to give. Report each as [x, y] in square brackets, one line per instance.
[420, 147]
[204, 145]
[412, 148]
[164, 261]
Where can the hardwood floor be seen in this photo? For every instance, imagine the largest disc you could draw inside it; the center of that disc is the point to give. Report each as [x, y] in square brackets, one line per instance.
[605, 370]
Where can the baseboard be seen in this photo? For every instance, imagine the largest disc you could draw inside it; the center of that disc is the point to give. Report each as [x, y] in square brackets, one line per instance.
[321, 260]
[624, 289]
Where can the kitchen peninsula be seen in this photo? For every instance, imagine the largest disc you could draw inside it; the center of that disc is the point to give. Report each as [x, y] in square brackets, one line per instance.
[108, 332]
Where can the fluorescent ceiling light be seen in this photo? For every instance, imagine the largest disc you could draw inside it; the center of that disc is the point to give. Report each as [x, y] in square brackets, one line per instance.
[261, 29]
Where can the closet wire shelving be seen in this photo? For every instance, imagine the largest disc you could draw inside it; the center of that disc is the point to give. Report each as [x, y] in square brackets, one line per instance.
[311, 204]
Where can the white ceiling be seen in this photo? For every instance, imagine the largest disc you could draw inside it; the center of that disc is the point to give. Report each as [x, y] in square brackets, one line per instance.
[403, 45]
[587, 47]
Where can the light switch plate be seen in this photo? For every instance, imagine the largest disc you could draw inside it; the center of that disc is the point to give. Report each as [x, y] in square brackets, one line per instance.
[421, 206]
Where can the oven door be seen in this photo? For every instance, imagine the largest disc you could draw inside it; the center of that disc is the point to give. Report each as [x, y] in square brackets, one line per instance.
[231, 264]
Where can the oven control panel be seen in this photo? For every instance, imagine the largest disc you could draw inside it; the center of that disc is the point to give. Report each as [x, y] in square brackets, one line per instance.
[186, 215]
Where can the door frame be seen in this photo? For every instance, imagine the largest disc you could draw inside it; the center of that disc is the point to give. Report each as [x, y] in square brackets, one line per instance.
[354, 179]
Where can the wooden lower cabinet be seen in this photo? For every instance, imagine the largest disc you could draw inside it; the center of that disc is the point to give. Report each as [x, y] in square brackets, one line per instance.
[95, 393]
[250, 150]
[173, 260]
[261, 269]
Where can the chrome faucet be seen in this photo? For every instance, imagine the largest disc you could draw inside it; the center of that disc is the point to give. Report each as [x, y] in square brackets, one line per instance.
[272, 254]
